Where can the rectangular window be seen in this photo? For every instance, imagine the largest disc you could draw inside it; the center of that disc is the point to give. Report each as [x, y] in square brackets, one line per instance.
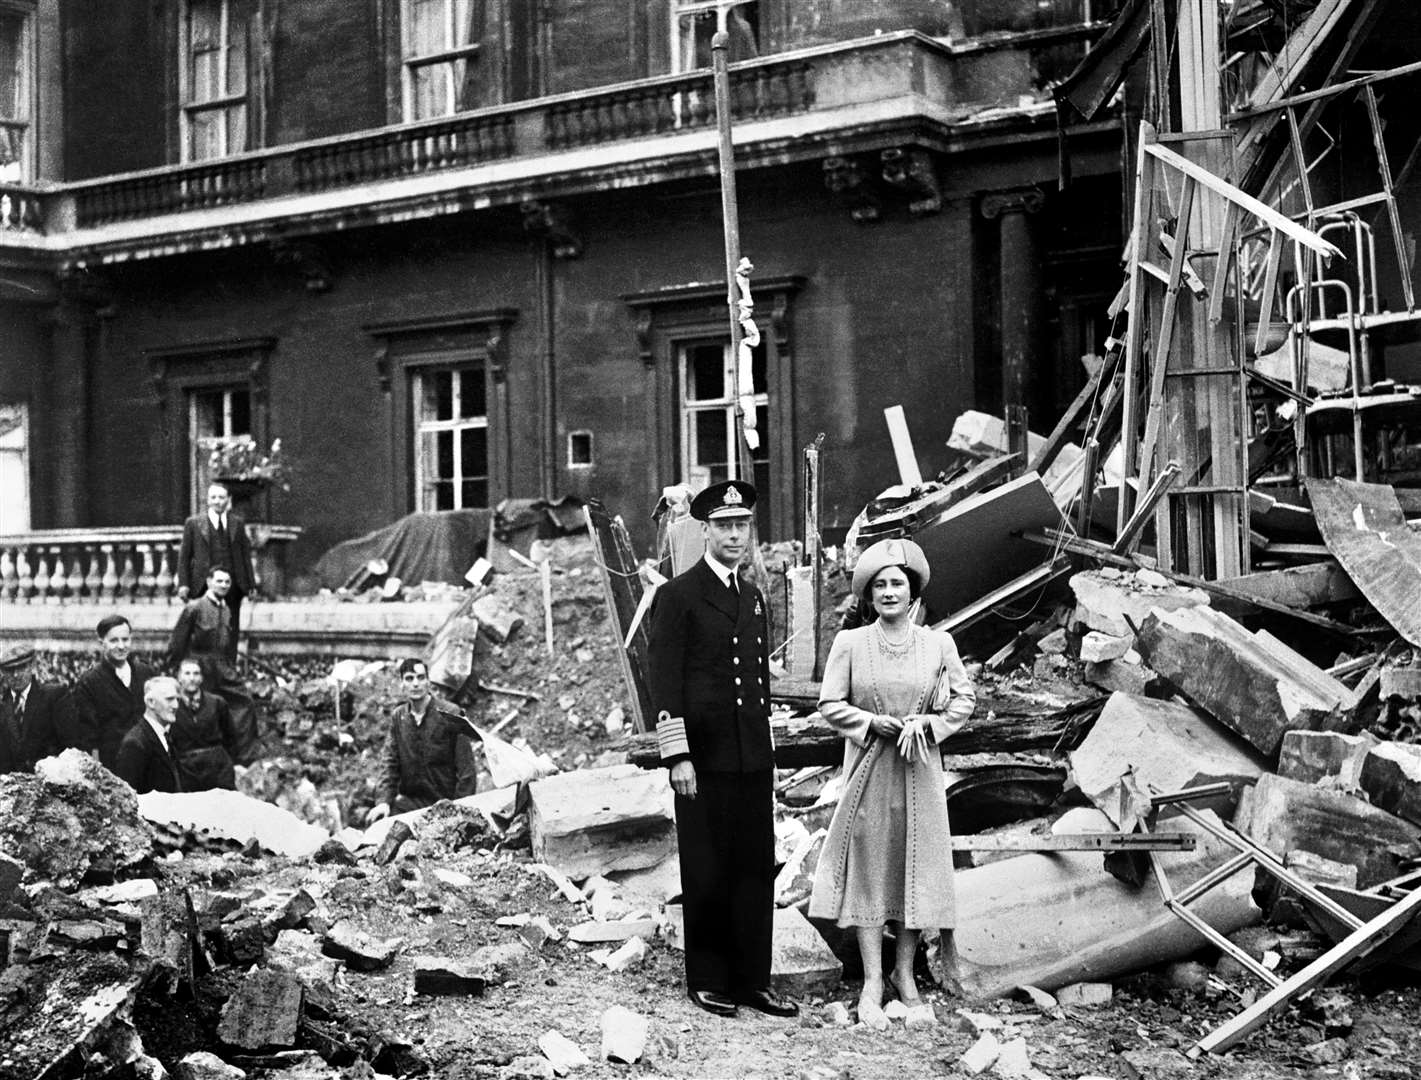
[17, 93]
[214, 414]
[579, 449]
[708, 436]
[441, 62]
[693, 25]
[214, 93]
[451, 449]
[15, 467]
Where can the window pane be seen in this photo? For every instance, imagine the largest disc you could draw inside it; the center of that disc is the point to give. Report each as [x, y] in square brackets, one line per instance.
[705, 372]
[236, 57]
[473, 453]
[471, 393]
[241, 413]
[759, 367]
[430, 91]
[207, 413]
[463, 74]
[424, 28]
[438, 393]
[709, 436]
[236, 129]
[205, 135]
[206, 77]
[475, 493]
[443, 454]
[468, 22]
[13, 95]
[762, 425]
[443, 496]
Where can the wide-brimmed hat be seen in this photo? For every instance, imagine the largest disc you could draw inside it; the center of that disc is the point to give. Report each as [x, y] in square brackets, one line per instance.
[902, 553]
[729, 498]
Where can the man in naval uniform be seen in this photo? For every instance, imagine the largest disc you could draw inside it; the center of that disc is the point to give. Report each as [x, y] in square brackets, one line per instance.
[710, 686]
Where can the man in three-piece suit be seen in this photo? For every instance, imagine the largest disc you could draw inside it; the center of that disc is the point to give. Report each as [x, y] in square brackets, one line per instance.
[708, 660]
[36, 719]
[145, 758]
[217, 537]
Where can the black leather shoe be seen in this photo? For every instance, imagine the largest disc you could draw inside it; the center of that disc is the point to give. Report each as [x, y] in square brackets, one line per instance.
[712, 1002]
[769, 1002]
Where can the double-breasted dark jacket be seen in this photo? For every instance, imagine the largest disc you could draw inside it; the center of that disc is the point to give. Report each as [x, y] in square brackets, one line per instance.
[709, 673]
[43, 727]
[104, 708]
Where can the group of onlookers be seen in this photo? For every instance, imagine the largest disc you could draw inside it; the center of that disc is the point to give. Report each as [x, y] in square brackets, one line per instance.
[184, 732]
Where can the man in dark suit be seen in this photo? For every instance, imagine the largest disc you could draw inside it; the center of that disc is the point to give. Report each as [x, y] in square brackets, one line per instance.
[108, 698]
[145, 760]
[36, 719]
[204, 632]
[203, 738]
[710, 686]
[217, 538]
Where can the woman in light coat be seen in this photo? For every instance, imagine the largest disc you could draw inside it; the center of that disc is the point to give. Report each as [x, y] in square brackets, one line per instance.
[895, 690]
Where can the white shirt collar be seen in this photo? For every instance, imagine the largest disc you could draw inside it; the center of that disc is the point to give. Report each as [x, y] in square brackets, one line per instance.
[721, 570]
[157, 730]
[215, 518]
[23, 696]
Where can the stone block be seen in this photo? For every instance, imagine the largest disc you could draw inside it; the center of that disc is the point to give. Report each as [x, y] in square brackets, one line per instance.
[623, 1035]
[1310, 756]
[202, 1065]
[801, 962]
[980, 1055]
[1120, 675]
[11, 872]
[562, 1053]
[263, 1012]
[598, 933]
[1252, 683]
[1167, 746]
[1284, 816]
[398, 833]
[538, 931]
[502, 961]
[597, 820]
[1098, 647]
[528, 1067]
[359, 950]
[440, 976]
[1088, 995]
[629, 955]
[1103, 602]
[1391, 777]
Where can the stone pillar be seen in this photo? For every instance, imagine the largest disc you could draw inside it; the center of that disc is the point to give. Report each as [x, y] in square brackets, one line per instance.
[65, 394]
[1020, 287]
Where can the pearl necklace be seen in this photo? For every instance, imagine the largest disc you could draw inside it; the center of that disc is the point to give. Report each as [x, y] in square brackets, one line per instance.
[888, 645]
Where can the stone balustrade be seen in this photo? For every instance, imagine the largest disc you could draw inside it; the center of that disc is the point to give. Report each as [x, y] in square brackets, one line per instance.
[117, 566]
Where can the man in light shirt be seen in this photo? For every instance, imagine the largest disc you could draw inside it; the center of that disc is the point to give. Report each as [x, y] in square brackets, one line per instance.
[145, 760]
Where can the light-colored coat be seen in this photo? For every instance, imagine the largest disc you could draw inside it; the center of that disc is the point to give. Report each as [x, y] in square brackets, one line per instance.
[848, 701]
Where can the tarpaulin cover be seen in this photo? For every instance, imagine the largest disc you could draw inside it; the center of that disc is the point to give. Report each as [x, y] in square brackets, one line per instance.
[437, 546]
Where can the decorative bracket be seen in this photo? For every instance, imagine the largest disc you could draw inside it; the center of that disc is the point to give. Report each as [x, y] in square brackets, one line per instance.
[553, 222]
[1027, 200]
[913, 173]
[850, 181]
[486, 327]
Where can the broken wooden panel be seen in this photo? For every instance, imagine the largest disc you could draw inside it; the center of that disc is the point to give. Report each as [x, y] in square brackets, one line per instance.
[1285, 815]
[1050, 920]
[973, 547]
[596, 820]
[1364, 527]
[1391, 777]
[1245, 680]
[1167, 747]
[1298, 586]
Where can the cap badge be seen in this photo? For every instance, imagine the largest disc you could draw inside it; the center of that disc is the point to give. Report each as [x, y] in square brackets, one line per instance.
[732, 497]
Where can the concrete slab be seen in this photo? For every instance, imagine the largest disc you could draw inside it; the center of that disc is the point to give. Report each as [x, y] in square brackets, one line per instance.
[801, 962]
[1167, 746]
[598, 820]
[1391, 777]
[1310, 756]
[1106, 598]
[231, 815]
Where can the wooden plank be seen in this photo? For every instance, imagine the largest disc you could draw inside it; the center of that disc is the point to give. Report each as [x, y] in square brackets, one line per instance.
[1117, 841]
[1129, 535]
[1270, 290]
[1228, 253]
[1365, 939]
[1245, 201]
[1364, 527]
[622, 589]
[1060, 434]
[1036, 578]
[1135, 333]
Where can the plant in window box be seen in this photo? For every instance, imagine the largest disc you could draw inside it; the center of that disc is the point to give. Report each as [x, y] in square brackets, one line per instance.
[244, 468]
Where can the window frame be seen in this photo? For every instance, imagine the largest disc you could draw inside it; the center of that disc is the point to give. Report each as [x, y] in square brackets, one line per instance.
[667, 319]
[472, 52]
[28, 93]
[199, 445]
[725, 404]
[179, 371]
[420, 428]
[457, 339]
[223, 105]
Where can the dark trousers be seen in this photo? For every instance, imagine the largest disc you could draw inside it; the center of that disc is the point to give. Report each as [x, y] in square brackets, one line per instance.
[234, 605]
[727, 848]
[219, 677]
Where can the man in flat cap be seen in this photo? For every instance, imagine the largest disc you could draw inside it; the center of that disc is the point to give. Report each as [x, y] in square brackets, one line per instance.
[36, 719]
[710, 686]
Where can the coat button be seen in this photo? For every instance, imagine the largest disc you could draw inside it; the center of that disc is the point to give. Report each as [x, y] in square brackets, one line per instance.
[735, 641]
[759, 641]
[735, 659]
[737, 680]
[762, 701]
[739, 702]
